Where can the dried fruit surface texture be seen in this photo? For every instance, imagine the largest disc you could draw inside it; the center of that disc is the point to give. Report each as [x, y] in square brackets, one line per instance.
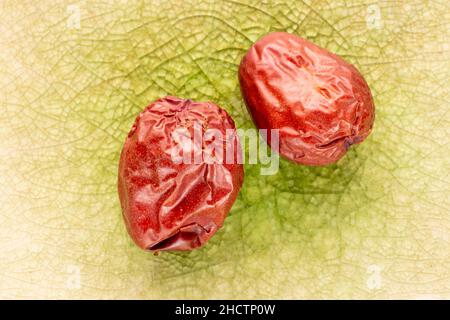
[172, 203]
[320, 103]
[374, 225]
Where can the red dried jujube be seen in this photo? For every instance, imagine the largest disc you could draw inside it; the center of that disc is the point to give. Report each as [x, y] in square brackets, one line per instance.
[320, 103]
[169, 205]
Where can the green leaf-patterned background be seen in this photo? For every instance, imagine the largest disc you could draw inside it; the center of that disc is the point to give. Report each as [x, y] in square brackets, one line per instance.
[375, 225]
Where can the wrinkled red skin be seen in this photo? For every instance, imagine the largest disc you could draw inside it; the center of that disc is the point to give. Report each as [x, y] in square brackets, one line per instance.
[320, 103]
[168, 206]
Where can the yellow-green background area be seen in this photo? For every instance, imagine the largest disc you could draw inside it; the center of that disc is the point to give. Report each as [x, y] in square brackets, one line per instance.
[375, 225]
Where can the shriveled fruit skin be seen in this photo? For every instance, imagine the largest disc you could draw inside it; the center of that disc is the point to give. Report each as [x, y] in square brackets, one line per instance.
[169, 206]
[320, 103]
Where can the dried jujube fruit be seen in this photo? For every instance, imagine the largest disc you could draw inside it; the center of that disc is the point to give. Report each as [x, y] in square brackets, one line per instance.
[169, 204]
[320, 103]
